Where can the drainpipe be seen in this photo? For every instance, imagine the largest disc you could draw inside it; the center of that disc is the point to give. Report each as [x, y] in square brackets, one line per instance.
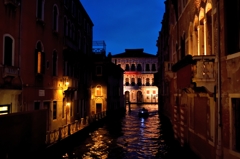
[219, 129]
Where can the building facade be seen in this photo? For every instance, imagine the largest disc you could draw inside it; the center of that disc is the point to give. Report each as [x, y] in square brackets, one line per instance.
[138, 81]
[42, 60]
[107, 82]
[198, 52]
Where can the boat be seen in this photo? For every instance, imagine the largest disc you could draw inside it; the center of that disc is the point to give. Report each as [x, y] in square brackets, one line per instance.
[143, 113]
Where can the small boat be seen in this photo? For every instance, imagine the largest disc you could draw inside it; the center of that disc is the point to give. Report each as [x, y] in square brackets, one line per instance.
[143, 113]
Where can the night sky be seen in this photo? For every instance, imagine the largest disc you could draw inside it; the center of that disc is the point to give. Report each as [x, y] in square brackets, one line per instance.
[126, 24]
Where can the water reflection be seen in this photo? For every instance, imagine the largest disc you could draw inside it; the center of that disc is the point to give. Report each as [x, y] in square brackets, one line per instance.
[129, 137]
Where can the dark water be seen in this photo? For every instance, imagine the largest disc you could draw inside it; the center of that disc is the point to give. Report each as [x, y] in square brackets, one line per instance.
[128, 137]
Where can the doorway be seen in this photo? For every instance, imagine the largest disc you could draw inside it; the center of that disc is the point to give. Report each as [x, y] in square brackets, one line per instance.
[98, 107]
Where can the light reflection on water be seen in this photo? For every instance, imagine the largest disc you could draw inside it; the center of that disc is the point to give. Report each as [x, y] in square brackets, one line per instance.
[128, 138]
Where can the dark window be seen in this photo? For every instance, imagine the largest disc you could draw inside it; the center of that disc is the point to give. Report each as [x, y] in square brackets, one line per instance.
[54, 109]
[40, 9]
[8, 51]
[127, 81]
[36, 105]
[133, 81]
[55, 18]
[147, 67]
[99, 107]
[133, 67]
[139, 83]
[99, 70]
[153, 67]
[236, 123]
[139, 67]
[127, 67]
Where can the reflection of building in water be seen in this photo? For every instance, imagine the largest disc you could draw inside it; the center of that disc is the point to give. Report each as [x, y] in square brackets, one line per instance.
[139, 72]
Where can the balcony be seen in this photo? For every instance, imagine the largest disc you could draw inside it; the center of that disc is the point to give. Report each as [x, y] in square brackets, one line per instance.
[11, 2]
[9, 71]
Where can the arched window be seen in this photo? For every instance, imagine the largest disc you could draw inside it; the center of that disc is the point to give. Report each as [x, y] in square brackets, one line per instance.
[133, 67]
[40, 10]
[55, 18]
[98, 91]
[139, 67]
[147, 82]
[147, 67]
[133, 81]
[54, 62]
[127, 67]
[153, 67]
[39, 58]
[8, 50]
[139, 82]
[127, 81]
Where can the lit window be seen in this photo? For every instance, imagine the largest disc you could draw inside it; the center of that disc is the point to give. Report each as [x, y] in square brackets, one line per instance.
[154, 92]
[147, 91]
[4, 109]
[98, 90]
[40, 59]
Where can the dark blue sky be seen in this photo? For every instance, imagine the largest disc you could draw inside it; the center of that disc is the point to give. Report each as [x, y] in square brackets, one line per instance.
[126, 24]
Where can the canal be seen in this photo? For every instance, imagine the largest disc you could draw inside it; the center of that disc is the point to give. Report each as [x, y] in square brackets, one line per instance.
[128, 137]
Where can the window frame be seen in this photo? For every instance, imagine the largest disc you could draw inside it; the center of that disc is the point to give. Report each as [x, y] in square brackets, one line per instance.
[42, 10]
[12, 47]
[55, 17]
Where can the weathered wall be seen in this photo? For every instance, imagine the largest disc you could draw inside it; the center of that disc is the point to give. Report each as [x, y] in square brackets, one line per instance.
[22, 133]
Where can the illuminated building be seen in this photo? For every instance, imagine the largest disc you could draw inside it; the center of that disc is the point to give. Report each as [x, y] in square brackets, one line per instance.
[44, 49]
[107, 82]
[198, 52]
[139, 68]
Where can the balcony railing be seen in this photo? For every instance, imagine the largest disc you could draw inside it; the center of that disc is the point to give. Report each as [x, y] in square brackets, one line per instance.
[10, 71]
[203, 70]
[65, 131]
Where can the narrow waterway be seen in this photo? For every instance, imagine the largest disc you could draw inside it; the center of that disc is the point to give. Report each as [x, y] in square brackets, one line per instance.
[128, 137]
